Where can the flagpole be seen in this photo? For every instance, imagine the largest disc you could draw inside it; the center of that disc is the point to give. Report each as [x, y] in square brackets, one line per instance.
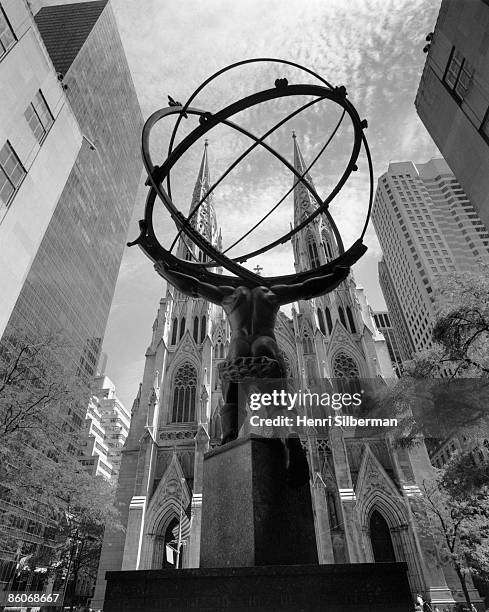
[179, 543]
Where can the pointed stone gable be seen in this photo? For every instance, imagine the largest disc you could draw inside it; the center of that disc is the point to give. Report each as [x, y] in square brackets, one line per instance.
[375, 488]
[187, 345]
[342, 339]
[170, 485]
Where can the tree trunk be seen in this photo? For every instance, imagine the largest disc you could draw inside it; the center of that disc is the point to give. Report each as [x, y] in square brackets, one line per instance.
[463, 582]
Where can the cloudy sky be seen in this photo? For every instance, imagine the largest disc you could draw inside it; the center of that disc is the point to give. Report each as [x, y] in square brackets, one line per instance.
[373, 47]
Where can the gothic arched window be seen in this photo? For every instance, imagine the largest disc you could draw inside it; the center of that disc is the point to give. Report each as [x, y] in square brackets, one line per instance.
[350, 320]
[182, 327]
[196, 329]
[306, 343]
[174, 331]
[345, 366]
[345, 370]
[312, 250]
[184, 390]
[202, 329]
[321, 321]
[329, 322]
[311, 372]
[332, 510]
[327, 250]
[342, 316]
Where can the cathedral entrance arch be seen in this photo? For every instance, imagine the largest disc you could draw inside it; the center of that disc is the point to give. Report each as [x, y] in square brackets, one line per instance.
[170, 545]
[380, 537]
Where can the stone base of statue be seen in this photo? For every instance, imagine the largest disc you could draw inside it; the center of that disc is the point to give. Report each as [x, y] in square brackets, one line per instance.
[250, 516]
[361, 587]
[258, 550]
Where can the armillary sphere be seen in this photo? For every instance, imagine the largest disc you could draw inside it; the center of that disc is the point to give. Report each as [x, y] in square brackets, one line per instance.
[158, 175]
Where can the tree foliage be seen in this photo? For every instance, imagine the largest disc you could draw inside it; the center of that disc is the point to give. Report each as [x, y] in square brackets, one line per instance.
[444, 394]
[458, 517]
[42, 407]
[446, 388]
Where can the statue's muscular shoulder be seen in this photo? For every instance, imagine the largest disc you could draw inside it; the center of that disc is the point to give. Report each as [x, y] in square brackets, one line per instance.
[263, 294]
[237, 297]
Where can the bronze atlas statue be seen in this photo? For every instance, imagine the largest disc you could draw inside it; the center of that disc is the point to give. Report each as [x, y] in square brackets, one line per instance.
[250, 301]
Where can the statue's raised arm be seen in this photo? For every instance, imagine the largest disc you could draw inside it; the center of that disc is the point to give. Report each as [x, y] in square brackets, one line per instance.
[192, 286]
[313, 287]
[319, 285]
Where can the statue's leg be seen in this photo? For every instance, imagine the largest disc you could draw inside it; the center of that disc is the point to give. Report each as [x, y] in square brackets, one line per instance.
[230, 411]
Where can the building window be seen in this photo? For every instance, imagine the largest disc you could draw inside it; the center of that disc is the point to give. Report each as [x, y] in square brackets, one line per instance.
[7, 36]
[332, 510]
[11, 173]
[346, 373]
[185, 385]
[344, 366]
[39, 116]
[203, 330]
[174, 331]
[342, 317]
[196, 329]
[307, 343]
[321, 321]
[329, 322]
[350, 320]
[182, 327]
[313, 252]
[219, 349]
[458, 74]
[327, 247]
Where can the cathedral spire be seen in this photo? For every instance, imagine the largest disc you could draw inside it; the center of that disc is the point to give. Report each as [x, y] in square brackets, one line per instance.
[203, 181]
[304, 203]
[204, 220]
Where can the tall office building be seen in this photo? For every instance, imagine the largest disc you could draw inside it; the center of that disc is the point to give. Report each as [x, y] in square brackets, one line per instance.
[40, 140]
[106, 428]
[385, 327]
[69, 280]
[426, 227]
[69, 171]
[360, 486]
[397, 320]
[453, 95]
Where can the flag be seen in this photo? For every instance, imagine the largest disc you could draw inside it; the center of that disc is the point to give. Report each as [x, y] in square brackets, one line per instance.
[169, 554]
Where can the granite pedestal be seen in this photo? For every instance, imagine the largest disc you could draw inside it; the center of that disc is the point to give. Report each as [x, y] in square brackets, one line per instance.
[258, 550]
[362, 587]
[250, 516]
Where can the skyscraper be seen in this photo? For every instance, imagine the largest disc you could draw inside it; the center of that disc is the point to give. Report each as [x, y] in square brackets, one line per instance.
[426, 227]
[384, 325]
[453, 95]
[70, 282]
[40, 140]
[359, 485]
[69, 171]
[397, 320]
[106, 427]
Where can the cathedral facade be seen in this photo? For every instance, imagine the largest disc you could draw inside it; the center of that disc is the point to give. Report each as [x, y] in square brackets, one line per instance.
[360, 484]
